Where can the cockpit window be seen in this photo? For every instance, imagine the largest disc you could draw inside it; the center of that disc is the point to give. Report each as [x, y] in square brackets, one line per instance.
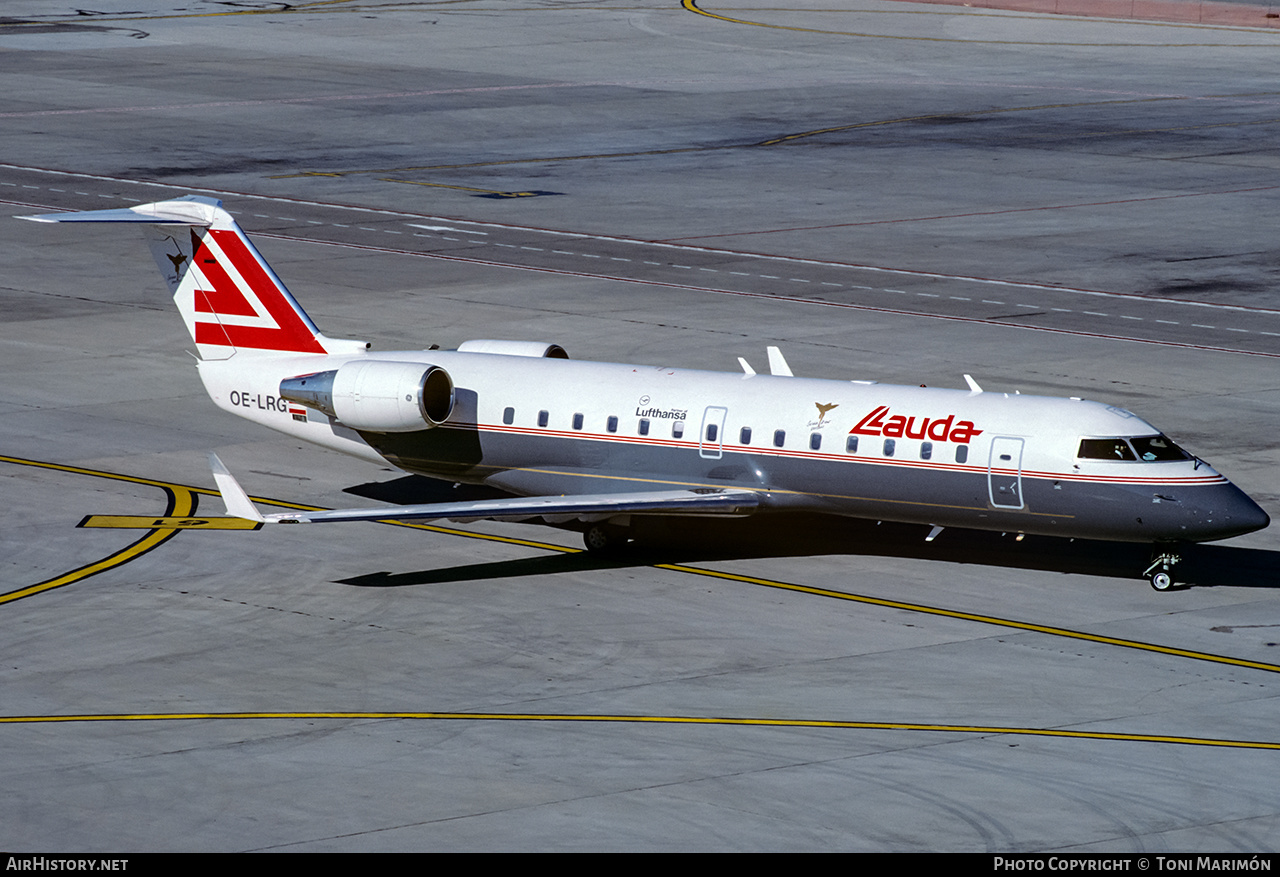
[1105, 449]
[1158, 448]
[1149, 449]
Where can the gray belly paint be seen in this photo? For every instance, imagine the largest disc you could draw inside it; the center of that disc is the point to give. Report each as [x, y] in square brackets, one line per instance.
[874, 488]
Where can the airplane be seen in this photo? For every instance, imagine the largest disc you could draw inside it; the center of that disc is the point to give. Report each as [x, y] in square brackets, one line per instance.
[594, 446]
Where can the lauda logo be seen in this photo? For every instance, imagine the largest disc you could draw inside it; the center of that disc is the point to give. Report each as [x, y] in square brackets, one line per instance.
[897, 426]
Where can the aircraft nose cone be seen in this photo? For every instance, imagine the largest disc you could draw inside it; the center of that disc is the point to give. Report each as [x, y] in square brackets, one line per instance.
[1252, 518]
[1233, 513]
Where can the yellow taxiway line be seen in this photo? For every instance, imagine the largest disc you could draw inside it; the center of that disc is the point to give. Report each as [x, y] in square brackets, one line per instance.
[182, 503]
[181, 511]
[982, 619]
[658, 720]
[146, 522]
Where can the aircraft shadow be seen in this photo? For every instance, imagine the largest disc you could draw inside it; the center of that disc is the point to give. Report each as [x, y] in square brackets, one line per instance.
[690, 540]
[420, 490]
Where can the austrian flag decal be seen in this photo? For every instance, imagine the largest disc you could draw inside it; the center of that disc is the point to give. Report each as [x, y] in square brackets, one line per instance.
[945, 429]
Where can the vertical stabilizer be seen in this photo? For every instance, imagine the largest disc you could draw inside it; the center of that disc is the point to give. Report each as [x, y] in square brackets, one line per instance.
[229, 298]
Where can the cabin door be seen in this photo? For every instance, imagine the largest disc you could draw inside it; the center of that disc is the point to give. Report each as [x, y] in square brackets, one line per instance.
[711, 438]
[1004, 472]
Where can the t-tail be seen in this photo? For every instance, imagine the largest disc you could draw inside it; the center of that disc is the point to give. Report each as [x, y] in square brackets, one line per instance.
[230, 299]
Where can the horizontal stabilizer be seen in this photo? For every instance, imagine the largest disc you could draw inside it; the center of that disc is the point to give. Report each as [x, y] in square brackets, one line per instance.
[191, 210]
[230, 299]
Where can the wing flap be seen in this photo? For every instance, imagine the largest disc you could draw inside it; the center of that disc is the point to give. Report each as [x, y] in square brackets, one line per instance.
[669, 502]
[597, 506]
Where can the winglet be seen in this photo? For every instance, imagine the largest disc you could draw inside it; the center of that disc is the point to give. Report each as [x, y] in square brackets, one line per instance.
[238, 503]
[746, 367]
[778, 364]
[973, 385]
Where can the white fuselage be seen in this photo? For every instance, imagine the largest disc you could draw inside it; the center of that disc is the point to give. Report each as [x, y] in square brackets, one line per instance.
[537, 426]
[595, 443]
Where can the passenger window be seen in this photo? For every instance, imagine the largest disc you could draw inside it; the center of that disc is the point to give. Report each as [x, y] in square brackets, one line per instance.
[543, 417]
[611, 424]
[644, 426]
[926, 450]
[779, 437]
[962, 453]
[889, 445]
[677, 429]
[508, 416]
[815, 441]
[744, 437]
[712, 432]
[577, 421]
[851, 444]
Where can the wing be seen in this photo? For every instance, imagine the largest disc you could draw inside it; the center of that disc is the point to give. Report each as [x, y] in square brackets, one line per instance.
[557, 509]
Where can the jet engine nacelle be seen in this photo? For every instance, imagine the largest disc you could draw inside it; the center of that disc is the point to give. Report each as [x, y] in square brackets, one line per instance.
[536, 349]
[377, 396]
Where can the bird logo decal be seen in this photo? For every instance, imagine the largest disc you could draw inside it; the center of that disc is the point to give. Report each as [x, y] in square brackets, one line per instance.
[822, 414]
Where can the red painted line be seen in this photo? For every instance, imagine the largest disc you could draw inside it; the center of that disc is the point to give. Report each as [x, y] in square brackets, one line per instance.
[730, 234]
[787, 298]
[535, 229]
[1194, 11]
[861, 266]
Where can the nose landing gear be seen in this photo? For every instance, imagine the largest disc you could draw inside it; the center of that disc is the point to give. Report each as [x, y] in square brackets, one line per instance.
[1160, 572]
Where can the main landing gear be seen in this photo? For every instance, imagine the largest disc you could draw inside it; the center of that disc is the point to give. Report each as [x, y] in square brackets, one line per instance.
[1160, 572]
[605, 539]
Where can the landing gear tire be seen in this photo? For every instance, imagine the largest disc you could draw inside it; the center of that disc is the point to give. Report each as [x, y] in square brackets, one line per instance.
[1160, 573]
[604, 539]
